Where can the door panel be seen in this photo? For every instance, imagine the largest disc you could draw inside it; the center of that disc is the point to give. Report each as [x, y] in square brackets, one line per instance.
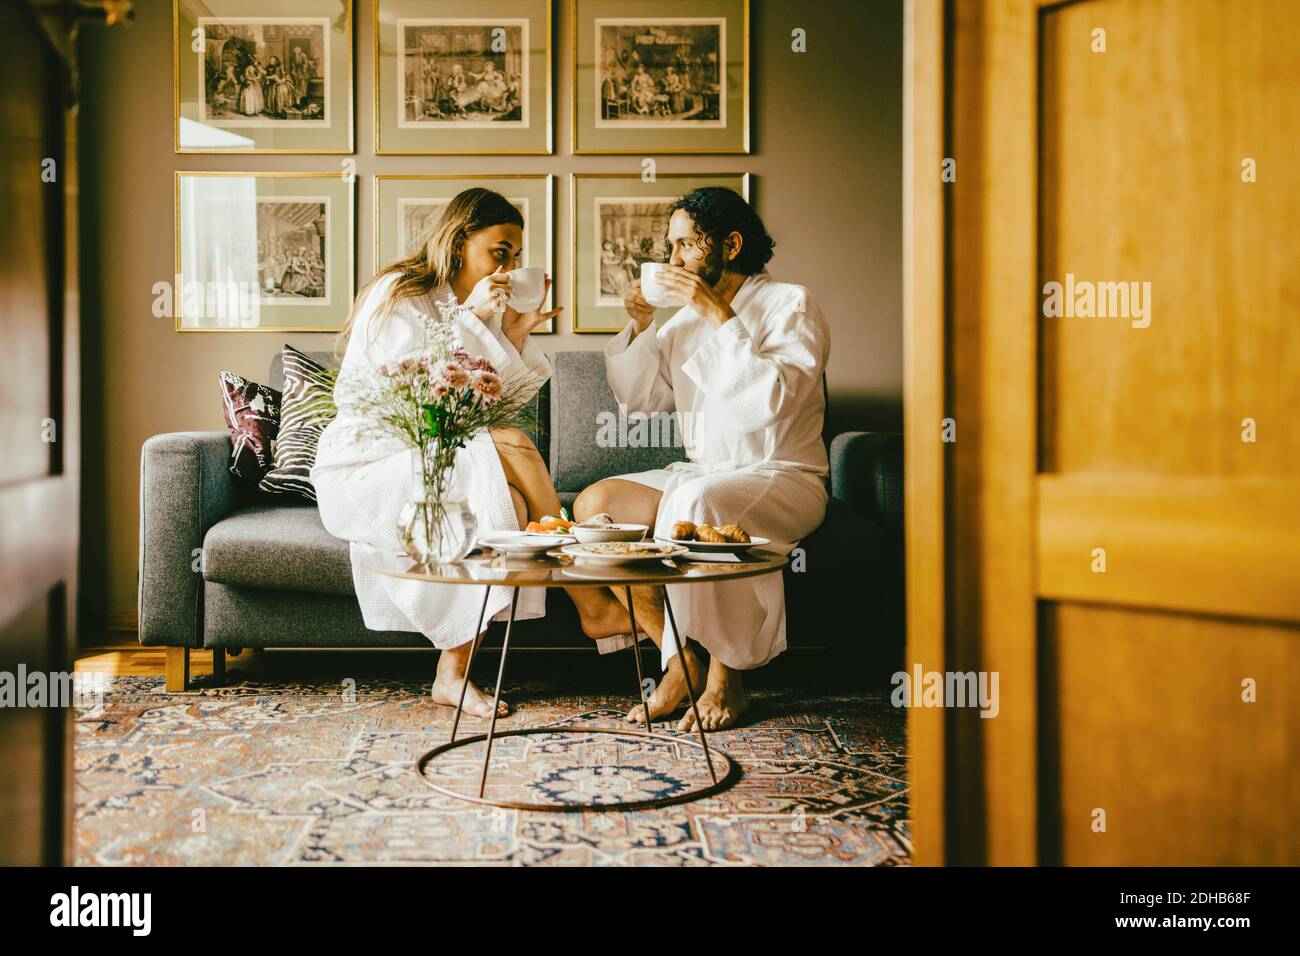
[1148, 724]
[1141, 180]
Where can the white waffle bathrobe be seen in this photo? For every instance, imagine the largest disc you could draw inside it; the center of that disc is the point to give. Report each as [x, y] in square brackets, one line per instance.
[363, 477]
[749, 403]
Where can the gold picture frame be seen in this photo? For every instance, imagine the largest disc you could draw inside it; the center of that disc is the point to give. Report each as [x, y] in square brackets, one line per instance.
[539, 85]
[670, 138]
[338, 256]
[387, 246]
[635, 188]
[194, 132]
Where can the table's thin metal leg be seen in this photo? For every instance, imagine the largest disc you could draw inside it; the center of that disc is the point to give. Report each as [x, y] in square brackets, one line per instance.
[496, 694]
[460, 706]
[690, 691]
[636, 656]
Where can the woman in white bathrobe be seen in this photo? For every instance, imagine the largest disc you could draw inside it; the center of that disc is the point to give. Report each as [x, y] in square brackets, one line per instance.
[741, 363]
[363, 476]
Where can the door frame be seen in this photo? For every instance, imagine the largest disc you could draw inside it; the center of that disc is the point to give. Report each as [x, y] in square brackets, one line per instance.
[970, 250]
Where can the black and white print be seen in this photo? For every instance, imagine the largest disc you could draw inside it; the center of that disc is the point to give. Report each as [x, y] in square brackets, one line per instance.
[632, 232]
[264, 71]
[293, 251]
[462, 73]
[661, 72]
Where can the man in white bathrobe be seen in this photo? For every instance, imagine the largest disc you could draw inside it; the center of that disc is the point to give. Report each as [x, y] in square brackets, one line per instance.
[741, 363]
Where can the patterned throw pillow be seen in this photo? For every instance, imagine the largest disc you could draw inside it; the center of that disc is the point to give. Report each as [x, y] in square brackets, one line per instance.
[253, 417]
[305, 409]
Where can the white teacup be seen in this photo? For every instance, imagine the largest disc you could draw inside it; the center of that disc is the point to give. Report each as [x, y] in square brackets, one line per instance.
[652, 291]
[527, 288]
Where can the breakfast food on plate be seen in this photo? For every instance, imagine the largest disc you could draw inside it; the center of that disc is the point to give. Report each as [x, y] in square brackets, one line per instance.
[725, 534]
[552, 524]
[706, 532]
[734, 532]
[621, 547]
[596, 521]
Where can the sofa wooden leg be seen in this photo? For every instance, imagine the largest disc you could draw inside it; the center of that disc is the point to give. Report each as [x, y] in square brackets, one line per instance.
[219, 666]
[178, 669]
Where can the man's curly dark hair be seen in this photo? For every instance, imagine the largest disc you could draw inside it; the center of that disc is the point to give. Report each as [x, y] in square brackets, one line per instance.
[717, 212]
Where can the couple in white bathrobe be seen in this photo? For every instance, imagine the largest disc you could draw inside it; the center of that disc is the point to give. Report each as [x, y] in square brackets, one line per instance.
[741, 363]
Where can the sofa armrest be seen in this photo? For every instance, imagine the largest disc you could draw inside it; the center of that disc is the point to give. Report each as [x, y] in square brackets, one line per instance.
[867, 474]
[185, 488]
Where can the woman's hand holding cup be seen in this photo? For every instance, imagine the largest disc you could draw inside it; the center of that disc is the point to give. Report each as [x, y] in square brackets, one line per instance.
[490, 295]
[517, 326]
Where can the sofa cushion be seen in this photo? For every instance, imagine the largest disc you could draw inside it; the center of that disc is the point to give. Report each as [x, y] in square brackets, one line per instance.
[275, 545]
[253, 417]
[306, 407]
[589, 438]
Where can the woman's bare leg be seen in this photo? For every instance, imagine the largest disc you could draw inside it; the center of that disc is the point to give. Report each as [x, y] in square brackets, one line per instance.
[534, 496]
[639, 504]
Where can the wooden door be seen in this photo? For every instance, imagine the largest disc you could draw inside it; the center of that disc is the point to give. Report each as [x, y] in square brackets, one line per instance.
[1119, 518]
[39, 431]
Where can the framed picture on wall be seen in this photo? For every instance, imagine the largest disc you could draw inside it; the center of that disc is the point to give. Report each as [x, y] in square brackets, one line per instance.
[618, 224]
[660, 76]
[462, 76]
[263, 252]
[262, 76]
[408, 207]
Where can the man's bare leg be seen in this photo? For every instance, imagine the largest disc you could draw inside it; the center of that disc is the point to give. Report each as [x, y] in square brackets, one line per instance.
[670, 690]
[629, 501]
[534, 496]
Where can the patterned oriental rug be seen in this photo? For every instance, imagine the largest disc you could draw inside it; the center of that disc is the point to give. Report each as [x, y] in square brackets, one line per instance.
[321, 772]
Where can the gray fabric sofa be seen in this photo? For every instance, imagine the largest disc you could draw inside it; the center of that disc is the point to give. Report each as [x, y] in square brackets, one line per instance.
[222, 567]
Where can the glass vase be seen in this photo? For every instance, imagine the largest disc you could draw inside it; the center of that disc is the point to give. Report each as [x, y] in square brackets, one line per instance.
[436, 529]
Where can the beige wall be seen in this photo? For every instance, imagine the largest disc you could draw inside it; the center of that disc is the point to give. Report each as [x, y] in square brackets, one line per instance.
[826, 130]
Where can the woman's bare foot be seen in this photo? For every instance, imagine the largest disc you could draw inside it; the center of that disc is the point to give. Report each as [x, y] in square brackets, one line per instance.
[603, 616]
[722, 703]
[477, 704]
[451, 675]
[671, 690]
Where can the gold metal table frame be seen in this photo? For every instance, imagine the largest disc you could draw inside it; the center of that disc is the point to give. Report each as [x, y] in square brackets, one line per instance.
[552, 572]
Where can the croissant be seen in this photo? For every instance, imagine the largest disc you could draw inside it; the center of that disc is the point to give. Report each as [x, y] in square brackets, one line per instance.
[706, 532]
[734, 532]
[684, 531]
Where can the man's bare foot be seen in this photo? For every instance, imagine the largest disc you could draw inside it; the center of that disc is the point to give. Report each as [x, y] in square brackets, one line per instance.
[605, 618]
[671, 690]
[722, 703]
[446, 690]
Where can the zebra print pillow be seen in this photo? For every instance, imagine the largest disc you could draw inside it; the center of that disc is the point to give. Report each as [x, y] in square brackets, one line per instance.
[306, 407]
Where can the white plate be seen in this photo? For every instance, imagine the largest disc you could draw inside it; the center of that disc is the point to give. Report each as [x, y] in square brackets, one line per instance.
[717, 547]
[581, 552]
[523, 542]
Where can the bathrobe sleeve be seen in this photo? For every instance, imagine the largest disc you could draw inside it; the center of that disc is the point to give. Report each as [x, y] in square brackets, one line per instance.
[638, 372]
[761, 377]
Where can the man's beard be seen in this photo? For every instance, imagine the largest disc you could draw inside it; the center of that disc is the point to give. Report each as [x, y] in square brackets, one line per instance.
[711, 270]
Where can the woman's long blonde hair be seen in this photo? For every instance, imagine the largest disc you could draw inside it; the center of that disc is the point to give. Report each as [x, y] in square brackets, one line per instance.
[440, 258]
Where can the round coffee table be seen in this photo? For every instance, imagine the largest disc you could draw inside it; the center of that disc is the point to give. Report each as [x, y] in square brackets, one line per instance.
[554, 571]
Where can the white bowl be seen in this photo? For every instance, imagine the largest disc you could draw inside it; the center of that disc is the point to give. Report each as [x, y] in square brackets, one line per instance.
[609, 532]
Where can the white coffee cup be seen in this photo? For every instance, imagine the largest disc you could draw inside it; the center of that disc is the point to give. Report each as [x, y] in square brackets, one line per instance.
[652, 291]
[527, 288]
